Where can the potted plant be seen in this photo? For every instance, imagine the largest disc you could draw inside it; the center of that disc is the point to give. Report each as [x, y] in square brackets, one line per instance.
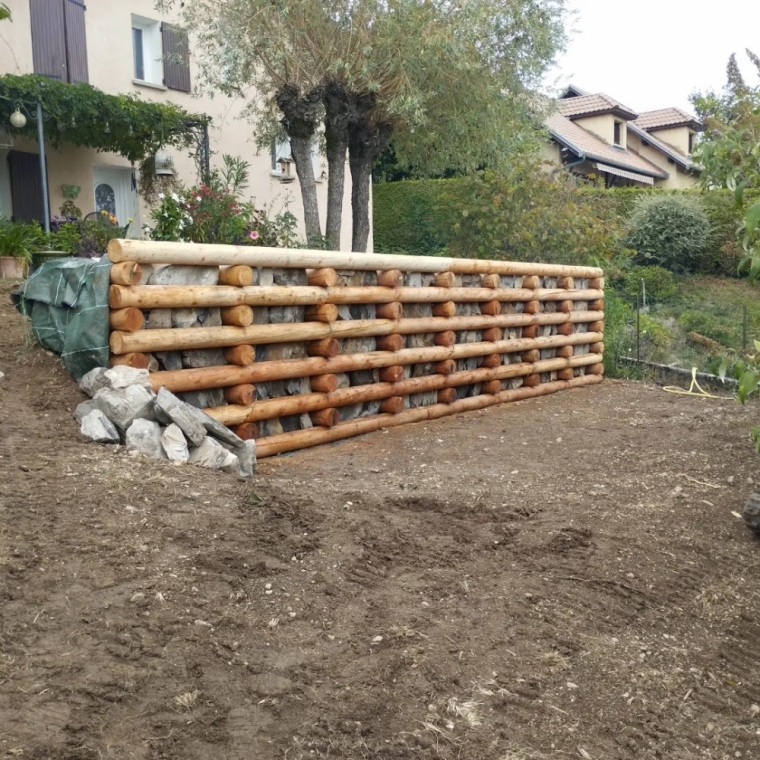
[17, 241]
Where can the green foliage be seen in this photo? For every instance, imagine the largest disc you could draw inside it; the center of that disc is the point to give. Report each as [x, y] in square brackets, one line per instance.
[617, 314]
[708, 324]
[5, 12]
[79, 114]
[671, 231]
[659, 283]
[20, 239]
[213, 212]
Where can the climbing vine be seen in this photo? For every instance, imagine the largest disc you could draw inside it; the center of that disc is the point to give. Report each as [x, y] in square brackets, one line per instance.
[80, 114]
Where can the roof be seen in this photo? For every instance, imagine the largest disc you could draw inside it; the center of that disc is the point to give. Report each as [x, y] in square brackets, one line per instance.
[587, 145]
[667, 118]
[682, 160]
[589, 105]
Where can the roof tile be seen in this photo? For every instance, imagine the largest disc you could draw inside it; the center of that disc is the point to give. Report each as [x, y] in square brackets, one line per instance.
[665, 117]
[584, 105]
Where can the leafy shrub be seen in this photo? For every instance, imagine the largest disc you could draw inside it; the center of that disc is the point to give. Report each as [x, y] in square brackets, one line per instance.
[707, 324]
[20, 239]
[671, 231]
[659, 283]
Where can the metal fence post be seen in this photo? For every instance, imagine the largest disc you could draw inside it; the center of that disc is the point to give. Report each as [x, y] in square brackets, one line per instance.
[638, 330]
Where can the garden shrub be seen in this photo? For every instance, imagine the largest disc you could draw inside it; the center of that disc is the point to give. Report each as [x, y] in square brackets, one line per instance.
[671, 231]
[708, 324]
[659, 283]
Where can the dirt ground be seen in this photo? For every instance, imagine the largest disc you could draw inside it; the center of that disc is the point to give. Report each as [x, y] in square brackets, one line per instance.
[566, 577]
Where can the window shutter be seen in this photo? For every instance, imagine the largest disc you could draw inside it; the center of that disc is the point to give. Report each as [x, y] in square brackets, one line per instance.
[26, 186]
[76, 41]
[48, 38]
[176, 49]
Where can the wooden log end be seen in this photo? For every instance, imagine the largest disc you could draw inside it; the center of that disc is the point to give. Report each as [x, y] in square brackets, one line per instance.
[491, 334]
[392, 374]
[130, 319]
[567, 283]
[136, 360]
[327, 418]
[530, 331]
[531, 381]
[596, 348]
[490, 308]
[240, 355]
[597, 327]
[392, 405]
[492, 361]
[324, 383]
[445, 280]
[248, 431]
[239, 275]
[126, 273]
[242, 395]
[566, 329]
[445, 367]
[531, 356]
[326, 312]
[237, 316]
[531, 282]
[532, 307]
[446, 338]
[323, 278]
[390, 343]
[327, 348]
[491, 388]
[565, 306]
[491, 281]
[566, 374]
[447, 395]
[390, 278]
[596, 369]
[391, 310]
[596, 283]
[446, 309]
[565, 352]
[597, 305]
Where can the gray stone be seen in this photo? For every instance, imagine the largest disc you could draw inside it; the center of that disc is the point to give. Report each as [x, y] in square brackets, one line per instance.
[159, 319]
[184, 275]
[270, 427]
[153, 365]
[203, 357]
[306, 422]
[365, 377]
[344, 312]
[231, 464]
[170, 360]
[363, 311]
[145, 436]
[184, 318]
[175, 444]
[423, 399]
[277, 351]
[94, 380]
[358, 345]
[205, 399]
[210, 454]
[124, 406]
[260, 315]
[413, 280]
[350, 412]
[371, 408]
[344, 381]
[285, 314]
[290, 423]
[416, 310]
[97, 427]
[421, 340]
[469, 336]
[266, 277]
[210, 317]
[84, 409]
[121, 377]
[290, 277]
[297, 386]
[181, 413]
[246, 455]
[170, 409]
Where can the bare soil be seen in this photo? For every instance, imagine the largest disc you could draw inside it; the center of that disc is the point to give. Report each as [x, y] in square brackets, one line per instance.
[566, 577]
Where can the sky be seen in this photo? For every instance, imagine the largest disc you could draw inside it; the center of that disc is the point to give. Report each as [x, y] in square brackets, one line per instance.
[651, 54]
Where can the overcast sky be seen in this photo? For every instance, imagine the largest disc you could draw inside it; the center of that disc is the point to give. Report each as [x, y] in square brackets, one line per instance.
[652, 54]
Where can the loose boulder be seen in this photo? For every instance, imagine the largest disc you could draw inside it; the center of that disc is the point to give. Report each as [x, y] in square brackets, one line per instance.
[124, 406]
[145, 437]
[174, 443]
[210, 454]
[97, 427]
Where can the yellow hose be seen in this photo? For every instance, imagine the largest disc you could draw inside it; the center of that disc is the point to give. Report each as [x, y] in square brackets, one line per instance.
[700, 392]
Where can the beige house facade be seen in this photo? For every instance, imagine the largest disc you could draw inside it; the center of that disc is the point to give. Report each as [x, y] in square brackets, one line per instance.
[595, 136]
[120, 47]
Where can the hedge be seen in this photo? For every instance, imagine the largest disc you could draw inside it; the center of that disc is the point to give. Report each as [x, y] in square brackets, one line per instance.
[409, 217]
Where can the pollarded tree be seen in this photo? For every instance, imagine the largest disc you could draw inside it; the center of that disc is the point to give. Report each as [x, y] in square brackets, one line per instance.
[448, 80]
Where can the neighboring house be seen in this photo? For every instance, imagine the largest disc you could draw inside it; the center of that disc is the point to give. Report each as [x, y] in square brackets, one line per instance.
[595, 135]
[122, 47]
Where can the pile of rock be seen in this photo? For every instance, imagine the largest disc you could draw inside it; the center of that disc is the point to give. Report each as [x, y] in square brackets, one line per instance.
[124, 409]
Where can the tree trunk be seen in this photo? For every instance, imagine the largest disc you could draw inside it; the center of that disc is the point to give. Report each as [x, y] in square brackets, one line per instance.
[367, 141]
[301, 114]
[301, 148]
[337, 115]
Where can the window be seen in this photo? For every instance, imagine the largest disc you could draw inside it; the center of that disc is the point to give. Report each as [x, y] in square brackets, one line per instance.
[691, 142]
[59, 40]
[146, 51]
[618, 139]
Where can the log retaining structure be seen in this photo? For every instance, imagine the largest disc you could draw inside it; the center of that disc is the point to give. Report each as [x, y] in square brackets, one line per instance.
[298, 348]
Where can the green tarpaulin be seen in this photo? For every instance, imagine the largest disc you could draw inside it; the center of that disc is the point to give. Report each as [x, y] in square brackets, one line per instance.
[67, 302]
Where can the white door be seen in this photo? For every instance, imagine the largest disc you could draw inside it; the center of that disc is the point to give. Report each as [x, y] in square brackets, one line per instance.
[114, 193]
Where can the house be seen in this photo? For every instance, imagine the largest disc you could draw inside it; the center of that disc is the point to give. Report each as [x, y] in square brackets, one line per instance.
[121, 48]
[595, 135]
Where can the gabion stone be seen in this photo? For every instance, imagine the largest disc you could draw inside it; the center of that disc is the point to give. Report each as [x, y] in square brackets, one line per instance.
[145, 437]
[752, 512]
[97, 427]
[184, 275]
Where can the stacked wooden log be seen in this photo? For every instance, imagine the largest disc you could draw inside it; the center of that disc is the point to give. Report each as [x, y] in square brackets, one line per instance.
[298, 348]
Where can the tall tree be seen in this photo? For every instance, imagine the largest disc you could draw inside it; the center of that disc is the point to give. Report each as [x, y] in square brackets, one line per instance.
[730, 149]
[448, 79]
